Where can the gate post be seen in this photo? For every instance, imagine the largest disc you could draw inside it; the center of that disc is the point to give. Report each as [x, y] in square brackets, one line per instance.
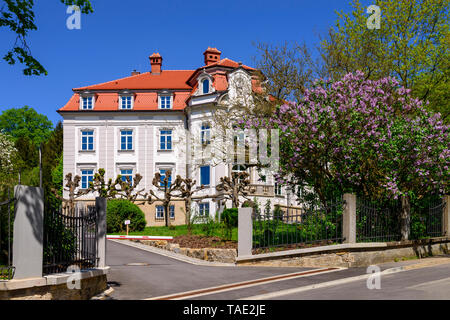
[446, 217]
[28, 236]
[245, 232]
[349, 218]
[100, 205]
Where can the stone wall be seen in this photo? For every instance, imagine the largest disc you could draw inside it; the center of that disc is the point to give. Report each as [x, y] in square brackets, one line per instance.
[358, 255]
[54, 287]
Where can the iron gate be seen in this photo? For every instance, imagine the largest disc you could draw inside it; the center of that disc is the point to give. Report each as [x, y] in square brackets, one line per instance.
[6, 237]
[70, 239]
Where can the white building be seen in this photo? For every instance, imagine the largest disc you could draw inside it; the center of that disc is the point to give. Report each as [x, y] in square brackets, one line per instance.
[139, 124]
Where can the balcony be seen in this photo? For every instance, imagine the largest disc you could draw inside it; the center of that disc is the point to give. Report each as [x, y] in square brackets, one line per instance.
[262, 190]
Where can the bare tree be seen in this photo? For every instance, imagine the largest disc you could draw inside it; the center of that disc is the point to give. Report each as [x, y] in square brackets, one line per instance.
[234, 187]
[72, 186]
[187, 192]
[169, 190]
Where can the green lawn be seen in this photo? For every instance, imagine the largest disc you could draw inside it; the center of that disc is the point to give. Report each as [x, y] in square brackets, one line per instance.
[197, 229]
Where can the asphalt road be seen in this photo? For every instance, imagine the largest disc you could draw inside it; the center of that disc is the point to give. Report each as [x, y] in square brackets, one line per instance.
[138, 274]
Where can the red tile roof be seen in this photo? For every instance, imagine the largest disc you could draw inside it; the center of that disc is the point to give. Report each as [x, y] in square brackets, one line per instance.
[228, 63]
[167, 79]
[178, 81]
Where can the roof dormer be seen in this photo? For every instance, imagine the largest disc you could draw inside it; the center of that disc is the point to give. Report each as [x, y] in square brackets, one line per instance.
[205, 84]
[87, 100]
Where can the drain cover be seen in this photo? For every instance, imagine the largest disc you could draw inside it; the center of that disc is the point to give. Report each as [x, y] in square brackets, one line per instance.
[138, 264]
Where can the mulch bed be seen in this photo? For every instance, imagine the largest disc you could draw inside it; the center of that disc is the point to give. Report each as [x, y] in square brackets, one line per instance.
[200, 242]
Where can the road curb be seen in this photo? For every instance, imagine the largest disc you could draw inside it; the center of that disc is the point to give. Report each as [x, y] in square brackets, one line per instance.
[104, 295]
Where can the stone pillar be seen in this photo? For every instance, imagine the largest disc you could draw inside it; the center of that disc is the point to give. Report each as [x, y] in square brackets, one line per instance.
[349, 218]
[446, 217]
[245, 232]
[28, 232]
[100, 205]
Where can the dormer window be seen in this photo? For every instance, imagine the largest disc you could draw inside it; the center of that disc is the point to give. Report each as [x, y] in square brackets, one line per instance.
[126, 102]
[165, 101]
[87, 103]
[205, 86]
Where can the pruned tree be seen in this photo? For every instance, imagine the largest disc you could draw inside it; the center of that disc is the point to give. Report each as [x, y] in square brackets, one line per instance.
[72, 187]
[187, 192]
[124, 189]
[128, 189]
[169, 190]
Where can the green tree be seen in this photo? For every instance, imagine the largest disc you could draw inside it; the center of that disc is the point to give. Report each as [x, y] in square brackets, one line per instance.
[411, 45]
[52, 166]
[8, 162]
[26, 122]
[18, 16]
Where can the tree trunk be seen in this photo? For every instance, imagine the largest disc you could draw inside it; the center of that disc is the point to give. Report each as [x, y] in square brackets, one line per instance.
[166, 214]
[187, 205]
[405, 217]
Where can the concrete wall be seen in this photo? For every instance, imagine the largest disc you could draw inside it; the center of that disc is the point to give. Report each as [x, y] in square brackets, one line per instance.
[55, 287]
[350, 255]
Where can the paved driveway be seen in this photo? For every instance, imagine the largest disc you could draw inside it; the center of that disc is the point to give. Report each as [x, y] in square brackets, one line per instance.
[139, 274]
[164, 275]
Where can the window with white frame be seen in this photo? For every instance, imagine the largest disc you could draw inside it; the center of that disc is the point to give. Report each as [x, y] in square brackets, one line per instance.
[165, 102]
[127, 174]
[165, 139]
[239, 168]
[205, 133]
[203, 209]
[205, 86]
[87, 140]
[278, 190]
[126, 139]
[87, 103]
[87, 176]
[126, 102]
[159, 213]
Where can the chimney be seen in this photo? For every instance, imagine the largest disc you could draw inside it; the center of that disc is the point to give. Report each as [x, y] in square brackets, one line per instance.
[212, 55]
[156, 62]
[135, 73]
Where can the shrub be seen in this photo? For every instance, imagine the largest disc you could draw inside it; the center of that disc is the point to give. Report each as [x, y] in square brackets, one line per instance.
[230, 220]
[230, 217]
[120, 210]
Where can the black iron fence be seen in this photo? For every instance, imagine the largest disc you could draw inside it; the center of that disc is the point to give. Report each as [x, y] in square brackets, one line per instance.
[320, 225]
[70, 239]
[377, 222]
[427, 217]
[7, 210]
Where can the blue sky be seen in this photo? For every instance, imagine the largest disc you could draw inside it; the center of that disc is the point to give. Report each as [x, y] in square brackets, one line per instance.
[120, 35]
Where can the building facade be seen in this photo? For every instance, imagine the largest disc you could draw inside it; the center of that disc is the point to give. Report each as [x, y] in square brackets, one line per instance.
[145, 123]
